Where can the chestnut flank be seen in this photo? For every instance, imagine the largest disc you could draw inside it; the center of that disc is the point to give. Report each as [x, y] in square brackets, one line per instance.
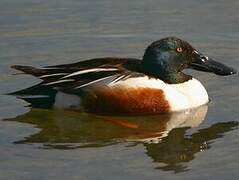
[127, 100]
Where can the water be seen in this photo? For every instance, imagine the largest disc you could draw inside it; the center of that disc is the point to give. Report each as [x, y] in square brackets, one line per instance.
[46, 144]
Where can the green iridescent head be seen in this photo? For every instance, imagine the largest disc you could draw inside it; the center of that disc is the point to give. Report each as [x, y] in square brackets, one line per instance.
[168, 57]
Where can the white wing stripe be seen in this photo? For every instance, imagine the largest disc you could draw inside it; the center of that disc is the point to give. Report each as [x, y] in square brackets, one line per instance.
[50, 75]
[60, 81]
[92, 82]
[117, 79]
[89, 70]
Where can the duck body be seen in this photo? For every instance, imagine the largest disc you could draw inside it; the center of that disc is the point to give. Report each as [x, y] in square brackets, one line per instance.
[146, 95]
[155, 84]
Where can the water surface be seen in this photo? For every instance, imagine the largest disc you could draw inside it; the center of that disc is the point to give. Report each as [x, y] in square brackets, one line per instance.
[45, 144]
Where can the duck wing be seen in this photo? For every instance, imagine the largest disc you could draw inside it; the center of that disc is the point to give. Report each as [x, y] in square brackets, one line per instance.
[83, 74]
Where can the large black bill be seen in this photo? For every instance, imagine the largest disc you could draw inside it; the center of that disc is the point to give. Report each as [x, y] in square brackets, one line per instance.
[203, 63]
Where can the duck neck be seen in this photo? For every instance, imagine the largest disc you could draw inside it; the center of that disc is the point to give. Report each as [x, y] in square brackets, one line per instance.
[154, 66]
[166, 76]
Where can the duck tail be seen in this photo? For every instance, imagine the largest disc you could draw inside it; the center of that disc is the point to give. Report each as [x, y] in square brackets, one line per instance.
[28, 70]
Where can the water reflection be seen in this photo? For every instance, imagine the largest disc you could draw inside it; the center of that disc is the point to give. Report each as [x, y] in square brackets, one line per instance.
[176, 149]
[163, 136]
[66, 127]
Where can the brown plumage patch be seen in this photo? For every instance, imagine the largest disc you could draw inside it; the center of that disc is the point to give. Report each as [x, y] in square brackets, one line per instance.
[127, 100]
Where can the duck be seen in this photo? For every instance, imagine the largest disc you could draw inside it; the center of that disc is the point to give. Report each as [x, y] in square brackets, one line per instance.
[156, 83]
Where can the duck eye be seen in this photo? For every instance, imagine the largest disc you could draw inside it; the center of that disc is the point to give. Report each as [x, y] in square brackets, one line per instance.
[179, 49]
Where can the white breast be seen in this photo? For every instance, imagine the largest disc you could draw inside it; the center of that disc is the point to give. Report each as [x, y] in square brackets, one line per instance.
[181, 96]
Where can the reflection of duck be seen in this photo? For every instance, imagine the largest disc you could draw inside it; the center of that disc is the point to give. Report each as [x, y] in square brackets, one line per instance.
[177, 149]
[163, 136]
[155, 84]
[67, 127]
[190, 118]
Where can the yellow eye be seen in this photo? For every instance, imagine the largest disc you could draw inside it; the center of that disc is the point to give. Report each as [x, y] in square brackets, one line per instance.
[179, 49]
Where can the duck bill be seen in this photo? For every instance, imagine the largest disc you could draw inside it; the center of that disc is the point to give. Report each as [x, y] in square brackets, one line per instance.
[203, 63]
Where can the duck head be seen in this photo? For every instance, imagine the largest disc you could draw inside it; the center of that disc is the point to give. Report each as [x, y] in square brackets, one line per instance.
[168, 57]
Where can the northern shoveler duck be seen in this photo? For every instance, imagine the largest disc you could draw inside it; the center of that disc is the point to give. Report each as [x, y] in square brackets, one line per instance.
[155, 84]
